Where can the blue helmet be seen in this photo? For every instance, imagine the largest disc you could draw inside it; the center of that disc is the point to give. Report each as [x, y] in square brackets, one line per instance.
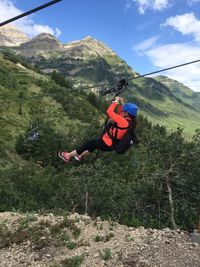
[130, 108]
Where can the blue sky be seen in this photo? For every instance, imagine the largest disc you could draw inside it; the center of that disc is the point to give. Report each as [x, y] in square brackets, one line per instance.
[147, 34]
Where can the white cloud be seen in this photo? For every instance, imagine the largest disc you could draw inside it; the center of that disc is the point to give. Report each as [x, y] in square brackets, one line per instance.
[146, 44]
[8, 10]
[156, 5]
[26, 24]
[57, 32]
[174, 54]
[186, 24]
[191, 2]
[165, 56]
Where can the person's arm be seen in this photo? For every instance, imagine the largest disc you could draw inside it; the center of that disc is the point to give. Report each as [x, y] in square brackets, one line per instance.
[120, 102]
[122, 122]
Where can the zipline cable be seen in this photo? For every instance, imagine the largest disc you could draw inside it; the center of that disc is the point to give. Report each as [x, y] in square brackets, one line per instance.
[30, 12]
[169, 68]
[107, 84]
[139, 76]
[157, 71]
[142, 75]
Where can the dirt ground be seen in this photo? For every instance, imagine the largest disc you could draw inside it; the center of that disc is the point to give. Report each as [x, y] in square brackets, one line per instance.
[77, 240]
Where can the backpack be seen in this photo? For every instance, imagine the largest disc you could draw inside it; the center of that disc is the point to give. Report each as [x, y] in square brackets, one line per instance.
[130, 138]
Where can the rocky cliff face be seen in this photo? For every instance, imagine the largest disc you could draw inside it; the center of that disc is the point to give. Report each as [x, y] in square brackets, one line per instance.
[44, 43]
[86, 60]
[11, 36]
[90, 46]
[77, 240]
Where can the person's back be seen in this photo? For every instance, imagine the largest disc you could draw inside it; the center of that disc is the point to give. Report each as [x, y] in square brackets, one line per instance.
[120, 121]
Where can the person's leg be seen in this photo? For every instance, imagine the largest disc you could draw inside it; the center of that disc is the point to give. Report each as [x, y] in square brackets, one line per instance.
[82, 155]
[75, 154]
[103, 147]
[72, 153]
[90, 146]
[80, 152]
[85, 154]
[86, 149]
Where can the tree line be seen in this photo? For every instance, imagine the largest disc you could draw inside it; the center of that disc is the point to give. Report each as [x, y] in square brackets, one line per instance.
[155, 184]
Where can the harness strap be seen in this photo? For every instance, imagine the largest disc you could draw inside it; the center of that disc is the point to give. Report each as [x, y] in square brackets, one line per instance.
[110, 131]
[122, 128]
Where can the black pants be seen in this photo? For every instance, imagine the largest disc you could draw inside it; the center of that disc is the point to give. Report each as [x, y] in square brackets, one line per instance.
[93, 144]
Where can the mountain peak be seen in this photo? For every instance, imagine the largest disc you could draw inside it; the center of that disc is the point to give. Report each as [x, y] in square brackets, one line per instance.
[97, 46]
[46, 36]
[89, 38]
[42, 42]
[89, 45]
[12, 36]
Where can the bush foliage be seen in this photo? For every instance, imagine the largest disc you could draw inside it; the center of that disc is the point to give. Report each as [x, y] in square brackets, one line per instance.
[155, 184]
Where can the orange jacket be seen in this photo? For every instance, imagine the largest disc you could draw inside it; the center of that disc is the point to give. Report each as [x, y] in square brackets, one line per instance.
[121, 122]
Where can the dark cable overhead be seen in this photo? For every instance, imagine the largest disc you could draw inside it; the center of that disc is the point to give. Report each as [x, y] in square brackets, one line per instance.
[29, 12]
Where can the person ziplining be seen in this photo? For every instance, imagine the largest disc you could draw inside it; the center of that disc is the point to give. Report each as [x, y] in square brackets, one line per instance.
[118, 135]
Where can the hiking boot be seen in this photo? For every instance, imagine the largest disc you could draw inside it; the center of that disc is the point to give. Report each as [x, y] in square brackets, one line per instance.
[78, 157]
[64, 156]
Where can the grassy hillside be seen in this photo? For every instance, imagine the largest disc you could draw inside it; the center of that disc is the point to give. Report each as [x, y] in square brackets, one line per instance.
[32, 103]
[181, 91]
[160, 106]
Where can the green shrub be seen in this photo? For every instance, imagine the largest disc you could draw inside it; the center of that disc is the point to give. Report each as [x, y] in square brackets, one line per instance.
[65, 237]
[25, 220]
[71, 245]
[98, 238]
[72, 262]
[105, 254]
[5, 235]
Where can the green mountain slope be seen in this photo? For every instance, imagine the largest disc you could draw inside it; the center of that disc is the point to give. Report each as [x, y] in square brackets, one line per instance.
[158, 104]
[89, 62]
[181, 91]
[33, 105]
